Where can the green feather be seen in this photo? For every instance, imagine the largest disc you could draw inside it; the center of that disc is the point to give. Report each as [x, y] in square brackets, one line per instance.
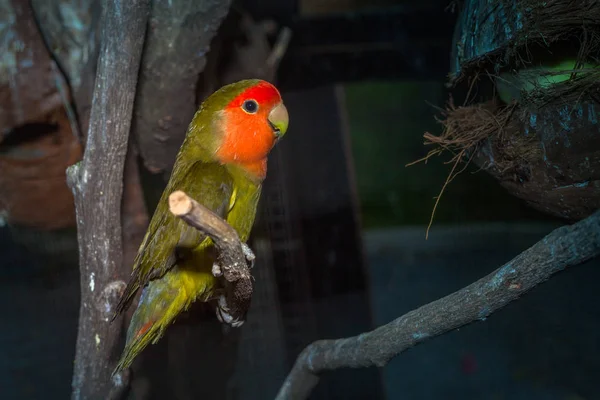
[174, 261]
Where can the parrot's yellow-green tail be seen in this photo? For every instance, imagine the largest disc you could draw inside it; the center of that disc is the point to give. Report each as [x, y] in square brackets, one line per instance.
[161, 301]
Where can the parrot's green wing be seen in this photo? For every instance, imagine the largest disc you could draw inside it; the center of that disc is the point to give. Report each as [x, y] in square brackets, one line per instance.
[167, 236]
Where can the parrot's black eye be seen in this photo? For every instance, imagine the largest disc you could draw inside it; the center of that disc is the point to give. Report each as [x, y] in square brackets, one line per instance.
[250, 106]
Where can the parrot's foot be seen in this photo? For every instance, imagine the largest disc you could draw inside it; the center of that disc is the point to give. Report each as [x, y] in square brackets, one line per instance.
[249, 254]
[216, 270]
[223, 315]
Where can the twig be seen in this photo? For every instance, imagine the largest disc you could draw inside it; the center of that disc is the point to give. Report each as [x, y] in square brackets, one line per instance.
[279, 48]
[97, 185]
[254, 57]
[564, 247]
[439, 196]
[231, 257]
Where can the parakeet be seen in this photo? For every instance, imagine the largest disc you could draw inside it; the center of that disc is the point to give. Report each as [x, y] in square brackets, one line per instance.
[221, 164]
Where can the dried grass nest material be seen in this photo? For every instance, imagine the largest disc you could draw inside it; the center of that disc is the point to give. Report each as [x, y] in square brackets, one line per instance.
[494, 136]
[466, 127]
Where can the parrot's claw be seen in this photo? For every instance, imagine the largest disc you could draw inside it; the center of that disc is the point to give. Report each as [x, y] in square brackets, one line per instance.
[216, 270]
[223, 315]
[249, 254]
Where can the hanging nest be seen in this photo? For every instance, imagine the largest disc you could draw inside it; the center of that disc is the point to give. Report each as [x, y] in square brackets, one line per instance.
[542, 140]
[497, 32]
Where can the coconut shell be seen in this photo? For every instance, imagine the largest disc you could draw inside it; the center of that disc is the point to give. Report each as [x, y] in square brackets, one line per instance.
[496, 30]
[545, 147]
[561, 176]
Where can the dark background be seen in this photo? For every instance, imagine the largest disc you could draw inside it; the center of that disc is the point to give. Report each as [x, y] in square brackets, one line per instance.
[340, 241]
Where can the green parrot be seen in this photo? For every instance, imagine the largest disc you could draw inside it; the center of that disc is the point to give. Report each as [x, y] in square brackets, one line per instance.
[221, 164]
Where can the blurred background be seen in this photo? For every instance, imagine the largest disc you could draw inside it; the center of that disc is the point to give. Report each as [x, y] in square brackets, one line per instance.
[340, 238]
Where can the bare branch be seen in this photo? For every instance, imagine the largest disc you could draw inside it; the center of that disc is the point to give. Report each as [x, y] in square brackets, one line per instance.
[564, 247]
[279, 49]
[230, 257]
[97, 184]
[255, 57]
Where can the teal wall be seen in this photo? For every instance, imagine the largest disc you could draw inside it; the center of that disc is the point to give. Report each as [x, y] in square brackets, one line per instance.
[387, 121]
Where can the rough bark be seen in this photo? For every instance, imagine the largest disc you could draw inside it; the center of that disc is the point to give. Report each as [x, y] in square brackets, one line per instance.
[564, 247]
[179, 35]
[71, 31]
[37, 138]
[231, 258]
[97, 184]
[28, 89]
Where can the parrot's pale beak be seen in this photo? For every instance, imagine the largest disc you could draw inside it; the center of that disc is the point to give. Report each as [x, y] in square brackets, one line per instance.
[279, 119]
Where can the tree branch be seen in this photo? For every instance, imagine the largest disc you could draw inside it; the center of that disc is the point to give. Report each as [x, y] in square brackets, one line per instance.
[564, 247]
[178, 40]
[97, 184]
[230, 257]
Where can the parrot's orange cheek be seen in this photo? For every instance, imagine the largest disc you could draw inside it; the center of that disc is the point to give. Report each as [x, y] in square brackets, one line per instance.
[246, 139]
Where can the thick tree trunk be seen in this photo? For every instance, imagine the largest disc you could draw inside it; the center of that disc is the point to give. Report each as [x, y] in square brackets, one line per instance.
[179, 36]
[97, 183]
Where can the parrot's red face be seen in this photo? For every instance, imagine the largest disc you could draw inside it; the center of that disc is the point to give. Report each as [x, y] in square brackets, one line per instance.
[252, 123]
